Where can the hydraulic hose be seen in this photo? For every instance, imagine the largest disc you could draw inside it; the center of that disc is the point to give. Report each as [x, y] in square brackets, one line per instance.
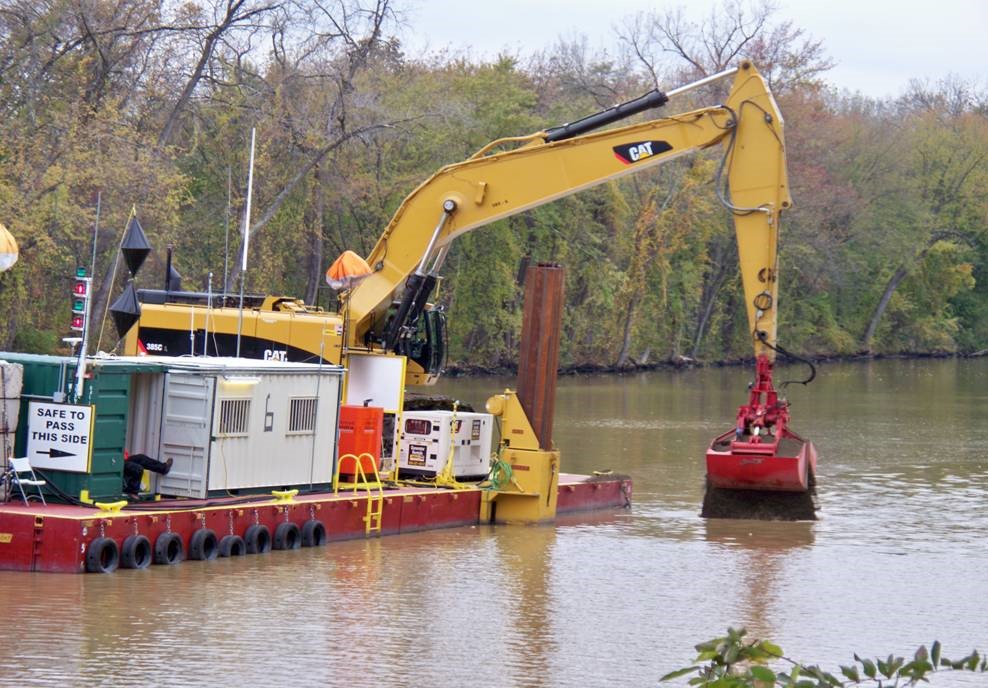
[763, 337]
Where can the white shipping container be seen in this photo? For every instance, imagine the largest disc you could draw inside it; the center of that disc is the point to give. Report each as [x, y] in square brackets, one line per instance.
[427, 438]
[232, 424]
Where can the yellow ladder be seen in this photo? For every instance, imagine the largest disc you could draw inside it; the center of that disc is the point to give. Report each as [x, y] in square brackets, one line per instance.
[374, 489]
[375, 510]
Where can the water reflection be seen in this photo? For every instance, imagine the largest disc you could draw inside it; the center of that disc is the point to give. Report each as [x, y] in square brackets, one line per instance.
[759, 553]
[774, 537]
[526, 561]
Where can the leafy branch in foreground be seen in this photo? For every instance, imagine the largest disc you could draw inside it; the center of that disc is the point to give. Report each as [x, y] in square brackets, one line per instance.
[733, 662]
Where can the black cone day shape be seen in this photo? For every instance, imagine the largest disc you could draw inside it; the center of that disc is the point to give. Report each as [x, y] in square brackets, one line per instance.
[135, 246]
[126, 310]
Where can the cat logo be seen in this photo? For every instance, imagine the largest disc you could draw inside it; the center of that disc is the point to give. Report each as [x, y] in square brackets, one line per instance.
[629, 153]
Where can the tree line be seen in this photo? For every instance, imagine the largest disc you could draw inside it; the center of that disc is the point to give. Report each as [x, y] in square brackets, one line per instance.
[148, 105]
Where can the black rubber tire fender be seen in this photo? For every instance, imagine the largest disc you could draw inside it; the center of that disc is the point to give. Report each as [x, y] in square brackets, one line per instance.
[232, 546]
[287, 536]
[135, 553]
[102, 555]
[168, 549]
[313, 533]
[258, 539]
[203, 545]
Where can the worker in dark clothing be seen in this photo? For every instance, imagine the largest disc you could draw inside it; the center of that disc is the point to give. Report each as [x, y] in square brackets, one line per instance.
[134, 467]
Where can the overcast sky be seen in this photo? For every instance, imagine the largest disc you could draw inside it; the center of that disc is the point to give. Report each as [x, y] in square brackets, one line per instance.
[879, 45]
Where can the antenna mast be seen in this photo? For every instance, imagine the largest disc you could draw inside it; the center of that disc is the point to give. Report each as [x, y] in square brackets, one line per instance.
[243, 260]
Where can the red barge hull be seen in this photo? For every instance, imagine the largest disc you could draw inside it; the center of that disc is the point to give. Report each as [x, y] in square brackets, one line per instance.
[56, 538]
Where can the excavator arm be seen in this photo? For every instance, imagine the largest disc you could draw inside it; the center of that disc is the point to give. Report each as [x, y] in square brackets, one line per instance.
[495, 184]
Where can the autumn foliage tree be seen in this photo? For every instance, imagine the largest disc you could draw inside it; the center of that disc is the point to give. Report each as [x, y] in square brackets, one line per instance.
[148, 106]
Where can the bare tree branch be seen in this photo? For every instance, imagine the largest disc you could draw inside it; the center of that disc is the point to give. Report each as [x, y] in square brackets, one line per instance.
[236, 14]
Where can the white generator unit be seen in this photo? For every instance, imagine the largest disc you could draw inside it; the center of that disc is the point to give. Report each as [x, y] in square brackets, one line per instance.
[427, 438]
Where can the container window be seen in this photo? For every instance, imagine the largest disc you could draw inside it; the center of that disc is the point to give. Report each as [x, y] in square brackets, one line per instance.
[302, 415]
[234, 416]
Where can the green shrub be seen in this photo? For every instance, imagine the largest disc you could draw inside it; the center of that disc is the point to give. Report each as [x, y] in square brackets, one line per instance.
[734, 662]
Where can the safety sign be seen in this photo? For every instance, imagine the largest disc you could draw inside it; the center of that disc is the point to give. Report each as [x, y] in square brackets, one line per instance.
[59, 436]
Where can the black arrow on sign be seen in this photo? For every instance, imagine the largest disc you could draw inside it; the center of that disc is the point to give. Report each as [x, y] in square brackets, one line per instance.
[56, 453]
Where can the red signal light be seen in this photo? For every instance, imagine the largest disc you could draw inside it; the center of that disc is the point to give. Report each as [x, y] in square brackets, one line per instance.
[80, 300]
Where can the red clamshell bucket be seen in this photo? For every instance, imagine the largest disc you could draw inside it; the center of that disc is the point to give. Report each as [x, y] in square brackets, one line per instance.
[783, 464]
[761, 469]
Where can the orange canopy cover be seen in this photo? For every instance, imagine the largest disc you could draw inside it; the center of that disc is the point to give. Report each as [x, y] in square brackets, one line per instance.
[347, 270]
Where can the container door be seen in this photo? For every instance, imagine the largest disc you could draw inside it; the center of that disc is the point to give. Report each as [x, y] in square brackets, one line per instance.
[185, 434]
[378, 380]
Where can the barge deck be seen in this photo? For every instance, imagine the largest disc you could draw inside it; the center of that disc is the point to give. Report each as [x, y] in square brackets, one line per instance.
[62, 538]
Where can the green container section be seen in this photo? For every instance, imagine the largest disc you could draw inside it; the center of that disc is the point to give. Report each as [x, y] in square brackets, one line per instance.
[106, 388]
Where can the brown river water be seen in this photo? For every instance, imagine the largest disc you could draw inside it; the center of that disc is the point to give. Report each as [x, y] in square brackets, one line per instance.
[897, 558]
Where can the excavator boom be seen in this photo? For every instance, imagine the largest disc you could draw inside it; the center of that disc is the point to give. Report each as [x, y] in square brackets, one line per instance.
[493, 185]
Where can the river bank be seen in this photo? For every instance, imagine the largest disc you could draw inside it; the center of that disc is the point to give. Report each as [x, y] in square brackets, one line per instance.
[686, 363]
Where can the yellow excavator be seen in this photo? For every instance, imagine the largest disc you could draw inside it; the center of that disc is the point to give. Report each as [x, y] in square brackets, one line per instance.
[386, 310]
